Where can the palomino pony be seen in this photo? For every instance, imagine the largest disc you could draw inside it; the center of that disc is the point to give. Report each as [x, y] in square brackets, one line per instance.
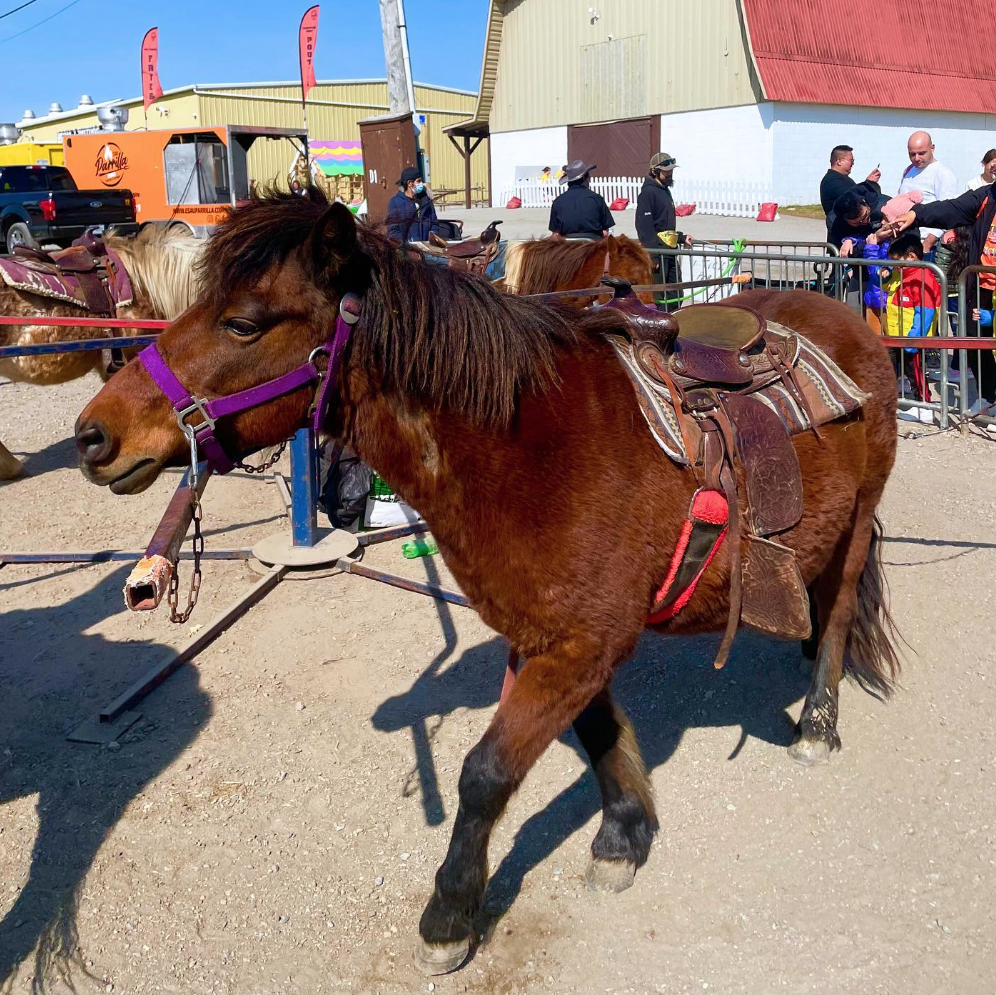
[164, 279]
[469, 401]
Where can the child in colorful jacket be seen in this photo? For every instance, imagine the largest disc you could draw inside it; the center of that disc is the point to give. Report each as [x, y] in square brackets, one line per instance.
[906, 298]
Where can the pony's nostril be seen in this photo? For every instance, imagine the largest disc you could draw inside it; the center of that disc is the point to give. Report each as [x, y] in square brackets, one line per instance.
[93, 442]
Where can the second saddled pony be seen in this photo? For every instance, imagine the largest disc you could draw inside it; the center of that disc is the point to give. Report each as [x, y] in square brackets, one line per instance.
[162, 268]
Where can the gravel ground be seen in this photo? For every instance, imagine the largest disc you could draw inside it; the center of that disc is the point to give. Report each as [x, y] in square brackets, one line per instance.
[273, 822]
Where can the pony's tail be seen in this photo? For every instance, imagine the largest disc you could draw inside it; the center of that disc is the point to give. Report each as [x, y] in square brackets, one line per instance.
[870, 658]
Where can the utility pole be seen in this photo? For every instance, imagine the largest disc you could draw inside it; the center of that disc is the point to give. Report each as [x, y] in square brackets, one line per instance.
[399, 94]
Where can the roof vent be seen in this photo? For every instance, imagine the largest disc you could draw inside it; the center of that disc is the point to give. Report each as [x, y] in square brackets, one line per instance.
[86, 100]
[112, 118]
[55, 107]
[28, 115]
[9, 133]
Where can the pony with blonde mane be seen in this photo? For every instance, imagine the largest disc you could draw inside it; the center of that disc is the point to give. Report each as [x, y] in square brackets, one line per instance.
[545, 265]
[165, 282]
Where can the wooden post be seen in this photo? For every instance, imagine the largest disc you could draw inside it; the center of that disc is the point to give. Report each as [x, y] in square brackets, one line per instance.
[466, 169]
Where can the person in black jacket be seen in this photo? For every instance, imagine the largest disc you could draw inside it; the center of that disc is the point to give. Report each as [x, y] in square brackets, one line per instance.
[838, 182]
[580, 212]
[655, 215]
[977, 209]
[411, 215]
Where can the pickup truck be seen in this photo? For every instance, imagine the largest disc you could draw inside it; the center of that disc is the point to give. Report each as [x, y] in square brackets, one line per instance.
[40, 205]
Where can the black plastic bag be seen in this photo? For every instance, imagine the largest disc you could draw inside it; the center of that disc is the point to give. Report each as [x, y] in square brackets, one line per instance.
[344, 483]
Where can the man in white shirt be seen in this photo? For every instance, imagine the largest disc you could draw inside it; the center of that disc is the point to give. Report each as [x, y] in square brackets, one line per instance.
[988, 174]
[933, 179]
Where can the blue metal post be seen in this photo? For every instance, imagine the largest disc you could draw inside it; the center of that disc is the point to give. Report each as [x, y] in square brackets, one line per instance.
[304, 488]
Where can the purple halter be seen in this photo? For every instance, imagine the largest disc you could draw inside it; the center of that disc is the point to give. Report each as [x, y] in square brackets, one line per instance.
[201, 435]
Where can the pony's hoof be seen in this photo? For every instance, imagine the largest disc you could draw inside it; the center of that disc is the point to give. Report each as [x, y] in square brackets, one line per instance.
[810, 752]
[440, 958]
[610, 876]
[11, 469]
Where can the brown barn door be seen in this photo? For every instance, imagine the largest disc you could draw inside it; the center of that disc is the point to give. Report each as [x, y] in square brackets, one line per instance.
[619, 148]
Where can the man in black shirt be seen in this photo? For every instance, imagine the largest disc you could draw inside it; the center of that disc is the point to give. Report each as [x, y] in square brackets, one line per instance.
[838, 182]
[579, 212]
[655, 214]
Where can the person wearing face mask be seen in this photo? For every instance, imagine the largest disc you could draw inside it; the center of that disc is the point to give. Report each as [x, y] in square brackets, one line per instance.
[656, 218]
[411, 215]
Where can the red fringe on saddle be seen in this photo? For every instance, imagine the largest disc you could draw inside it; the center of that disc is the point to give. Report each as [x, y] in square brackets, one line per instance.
[701, 536]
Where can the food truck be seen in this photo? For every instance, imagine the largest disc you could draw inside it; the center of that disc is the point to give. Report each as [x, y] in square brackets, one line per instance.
[180, 176]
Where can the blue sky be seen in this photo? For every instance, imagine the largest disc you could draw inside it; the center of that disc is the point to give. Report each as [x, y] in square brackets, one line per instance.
[94, 46]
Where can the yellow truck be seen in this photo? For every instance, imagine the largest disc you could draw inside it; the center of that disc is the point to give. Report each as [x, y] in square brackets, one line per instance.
[33, 154]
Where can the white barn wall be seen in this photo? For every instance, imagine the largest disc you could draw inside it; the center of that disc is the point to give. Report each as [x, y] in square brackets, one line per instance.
[721, 145]
[533, 147]
[804, 134]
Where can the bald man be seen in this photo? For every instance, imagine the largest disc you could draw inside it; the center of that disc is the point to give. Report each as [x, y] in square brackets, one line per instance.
[933, 179]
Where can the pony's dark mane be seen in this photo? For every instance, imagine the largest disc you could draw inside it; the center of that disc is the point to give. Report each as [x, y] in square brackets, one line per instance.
[548, 263]
[449, 339]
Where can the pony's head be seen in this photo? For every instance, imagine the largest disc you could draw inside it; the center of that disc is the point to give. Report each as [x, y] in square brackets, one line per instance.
[273, 275]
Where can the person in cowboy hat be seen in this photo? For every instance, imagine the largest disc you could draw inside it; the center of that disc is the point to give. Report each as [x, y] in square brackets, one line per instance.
[411, 215]
[579, 212]
[655, 217]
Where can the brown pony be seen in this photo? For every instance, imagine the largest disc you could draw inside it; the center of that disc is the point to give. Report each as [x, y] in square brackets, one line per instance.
[469, 401]
[164, 280]
[544, 265]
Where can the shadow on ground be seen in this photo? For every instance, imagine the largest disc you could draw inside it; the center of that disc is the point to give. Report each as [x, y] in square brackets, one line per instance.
[668, 688]
[55, 673]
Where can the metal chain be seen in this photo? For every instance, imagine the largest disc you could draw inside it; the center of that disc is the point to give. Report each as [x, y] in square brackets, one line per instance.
[249, 468]
[195, 581]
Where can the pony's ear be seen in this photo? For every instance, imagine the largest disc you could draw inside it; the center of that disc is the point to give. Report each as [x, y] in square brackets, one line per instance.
[334, 239]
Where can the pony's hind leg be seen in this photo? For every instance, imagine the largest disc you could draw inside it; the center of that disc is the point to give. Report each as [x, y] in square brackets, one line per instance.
[548, 695]
[10, 465]
[851, 607]
[629, 821]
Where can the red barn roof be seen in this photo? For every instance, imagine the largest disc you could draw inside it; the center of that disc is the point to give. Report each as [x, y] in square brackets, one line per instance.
[923, 54]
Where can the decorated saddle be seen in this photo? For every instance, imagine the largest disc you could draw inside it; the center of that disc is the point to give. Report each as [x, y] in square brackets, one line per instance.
[87, 275]
[722, 392]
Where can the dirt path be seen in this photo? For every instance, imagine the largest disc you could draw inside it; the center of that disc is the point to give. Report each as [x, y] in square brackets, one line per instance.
[274, 821]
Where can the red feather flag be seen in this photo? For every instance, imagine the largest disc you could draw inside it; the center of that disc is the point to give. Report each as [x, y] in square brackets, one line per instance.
[151, 88]
[307, 41]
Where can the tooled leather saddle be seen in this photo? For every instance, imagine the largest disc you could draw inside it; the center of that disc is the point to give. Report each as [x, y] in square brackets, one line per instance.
[473, 254]
[722, 390]
[87, 275]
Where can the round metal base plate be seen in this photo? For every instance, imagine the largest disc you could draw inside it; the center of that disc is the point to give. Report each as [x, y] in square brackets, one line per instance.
[279, 550]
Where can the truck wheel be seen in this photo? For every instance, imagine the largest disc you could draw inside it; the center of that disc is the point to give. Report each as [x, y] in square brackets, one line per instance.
[18, 234]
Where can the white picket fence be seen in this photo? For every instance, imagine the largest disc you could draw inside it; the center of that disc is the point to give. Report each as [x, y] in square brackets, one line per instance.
[732, 199]
[534, 193]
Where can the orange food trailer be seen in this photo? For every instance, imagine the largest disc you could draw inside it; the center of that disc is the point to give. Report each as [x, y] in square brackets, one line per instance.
[188, 176]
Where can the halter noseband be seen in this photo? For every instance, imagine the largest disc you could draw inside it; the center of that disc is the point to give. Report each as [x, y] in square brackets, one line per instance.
[202, 436]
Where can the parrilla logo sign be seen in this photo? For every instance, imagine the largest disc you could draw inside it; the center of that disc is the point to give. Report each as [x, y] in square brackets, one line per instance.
[111, 164]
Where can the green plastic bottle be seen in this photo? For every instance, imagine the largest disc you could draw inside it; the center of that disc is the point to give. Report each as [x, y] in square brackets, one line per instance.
[419, 547]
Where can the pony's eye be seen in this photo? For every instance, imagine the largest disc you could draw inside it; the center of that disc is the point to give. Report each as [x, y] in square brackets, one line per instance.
[240, 326]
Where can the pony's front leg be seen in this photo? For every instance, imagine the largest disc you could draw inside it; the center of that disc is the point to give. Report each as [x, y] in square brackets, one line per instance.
[550, 692]
[10, 465]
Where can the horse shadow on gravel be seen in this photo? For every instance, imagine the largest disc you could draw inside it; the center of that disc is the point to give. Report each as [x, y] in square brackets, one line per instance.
[667, 688]
[54, 673]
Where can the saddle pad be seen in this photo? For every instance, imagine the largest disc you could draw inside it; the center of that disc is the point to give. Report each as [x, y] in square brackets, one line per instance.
[831, 394]
[37, 278]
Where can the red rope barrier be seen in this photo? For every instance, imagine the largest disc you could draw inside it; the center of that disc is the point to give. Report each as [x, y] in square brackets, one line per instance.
[157, 323]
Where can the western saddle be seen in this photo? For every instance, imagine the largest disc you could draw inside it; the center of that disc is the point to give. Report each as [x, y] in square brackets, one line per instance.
[86, 274]
[709, 360]
[473, 254]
